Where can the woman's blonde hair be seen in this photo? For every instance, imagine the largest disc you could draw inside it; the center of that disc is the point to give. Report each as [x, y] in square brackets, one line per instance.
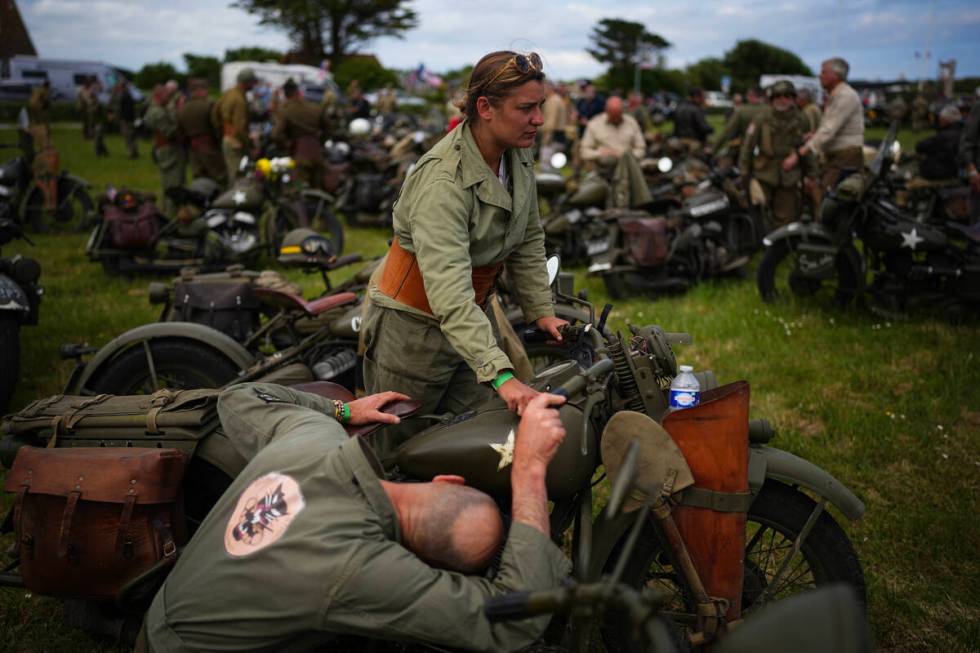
[494, 77]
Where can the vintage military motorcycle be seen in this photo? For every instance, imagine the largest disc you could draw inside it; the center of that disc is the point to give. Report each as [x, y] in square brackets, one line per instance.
[21, 198]
[728, 523]
[906, 263]
[20, 299]
[711, 234]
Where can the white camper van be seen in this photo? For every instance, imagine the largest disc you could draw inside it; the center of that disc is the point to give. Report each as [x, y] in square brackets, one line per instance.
[312, 80]
[64, 75]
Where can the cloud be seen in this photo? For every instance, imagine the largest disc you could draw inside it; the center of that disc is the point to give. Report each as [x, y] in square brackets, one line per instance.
[880, 39]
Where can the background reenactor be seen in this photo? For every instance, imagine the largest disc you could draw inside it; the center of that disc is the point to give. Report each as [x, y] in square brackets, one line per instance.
[804, 100]
[97, 118]
[920, 113]
[194, 120]
[938, 153]
[897, 109]
[690, 124]
[738, 123]
[970, 157]
[123, 107]
[840, 136]
[768, 153]
[167, 153]
[83, 98]
[39, 122]
[300, 128]
[387, 101]
[555, 119]
[231, 117]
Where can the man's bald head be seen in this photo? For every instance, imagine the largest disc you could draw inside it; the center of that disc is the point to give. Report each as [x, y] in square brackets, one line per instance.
[454, 527]
[614, 109]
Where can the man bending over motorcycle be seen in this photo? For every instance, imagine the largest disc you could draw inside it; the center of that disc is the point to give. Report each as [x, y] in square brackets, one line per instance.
[311, 541]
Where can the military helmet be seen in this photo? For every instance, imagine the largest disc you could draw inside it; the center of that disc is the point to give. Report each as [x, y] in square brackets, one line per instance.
[246, 76]
[303, 247]
[782, 87]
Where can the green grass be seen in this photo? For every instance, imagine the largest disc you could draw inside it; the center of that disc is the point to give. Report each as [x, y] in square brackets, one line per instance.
[891, 408]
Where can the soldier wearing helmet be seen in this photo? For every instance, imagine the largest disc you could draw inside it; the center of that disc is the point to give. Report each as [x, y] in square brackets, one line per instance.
[230, 117]
[768, 155]
[300, 128]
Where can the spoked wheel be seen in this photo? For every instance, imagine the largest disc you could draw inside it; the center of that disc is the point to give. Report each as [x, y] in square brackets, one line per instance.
[73, 209]
[789, 272]
[151, 365]
[775, 519]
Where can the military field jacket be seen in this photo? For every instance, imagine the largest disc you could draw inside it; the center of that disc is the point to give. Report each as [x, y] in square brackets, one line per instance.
[454, 215]
[305, 544]
[771, 138]
[738, 123]
[231, 116]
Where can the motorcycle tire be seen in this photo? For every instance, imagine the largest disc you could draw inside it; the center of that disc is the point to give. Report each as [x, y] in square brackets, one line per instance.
[75, 206]
[9, 359]
[179, 364]
[775, 519]
[779, 279]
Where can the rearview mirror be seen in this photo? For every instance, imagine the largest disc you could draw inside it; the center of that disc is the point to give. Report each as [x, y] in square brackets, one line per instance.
[554, 265]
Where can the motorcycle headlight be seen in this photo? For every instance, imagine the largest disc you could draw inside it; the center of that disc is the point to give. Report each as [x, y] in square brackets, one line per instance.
[4, 191]
[558, 160]
[240, 242]
[665, 164]
[244, 218]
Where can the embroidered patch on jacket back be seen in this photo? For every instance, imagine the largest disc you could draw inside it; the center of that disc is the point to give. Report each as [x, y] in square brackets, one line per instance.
[263, 513]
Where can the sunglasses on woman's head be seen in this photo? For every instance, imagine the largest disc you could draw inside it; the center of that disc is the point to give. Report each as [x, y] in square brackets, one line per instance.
[523, 63]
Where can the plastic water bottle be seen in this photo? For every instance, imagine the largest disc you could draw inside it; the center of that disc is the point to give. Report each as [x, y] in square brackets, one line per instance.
[685, 391]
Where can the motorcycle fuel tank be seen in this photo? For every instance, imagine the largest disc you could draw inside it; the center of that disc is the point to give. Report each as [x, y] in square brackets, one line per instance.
[244, 195]
[480, 448]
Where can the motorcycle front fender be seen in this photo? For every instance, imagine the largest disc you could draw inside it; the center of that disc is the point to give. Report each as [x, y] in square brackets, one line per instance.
[768, 462]
[805, 231]
[312, 193]
[76, 181]
[205, 335]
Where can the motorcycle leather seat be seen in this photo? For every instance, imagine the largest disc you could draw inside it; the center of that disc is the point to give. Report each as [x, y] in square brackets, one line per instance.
[291, 302]
[339, 392]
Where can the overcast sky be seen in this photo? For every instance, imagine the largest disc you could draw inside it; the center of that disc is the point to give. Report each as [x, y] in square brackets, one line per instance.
[880, 38]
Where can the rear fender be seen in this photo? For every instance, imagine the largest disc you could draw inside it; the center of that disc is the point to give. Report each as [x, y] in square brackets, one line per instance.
[808, 232]
[205, 335]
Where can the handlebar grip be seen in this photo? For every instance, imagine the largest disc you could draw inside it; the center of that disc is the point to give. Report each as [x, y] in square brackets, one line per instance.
[535, 335]
[507, 607]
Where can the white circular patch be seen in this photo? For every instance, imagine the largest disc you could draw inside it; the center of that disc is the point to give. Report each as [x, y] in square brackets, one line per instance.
[263, 513]
[355, 324]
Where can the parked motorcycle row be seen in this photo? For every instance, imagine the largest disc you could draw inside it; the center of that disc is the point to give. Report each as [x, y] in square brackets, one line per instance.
[655, 544]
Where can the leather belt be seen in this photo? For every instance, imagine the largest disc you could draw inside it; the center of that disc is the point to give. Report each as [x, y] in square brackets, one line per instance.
[402, 280]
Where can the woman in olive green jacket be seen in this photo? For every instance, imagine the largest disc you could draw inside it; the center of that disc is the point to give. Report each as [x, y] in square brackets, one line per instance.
[468, 209]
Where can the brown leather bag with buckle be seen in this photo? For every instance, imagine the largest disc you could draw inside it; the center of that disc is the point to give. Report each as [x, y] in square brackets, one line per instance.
[90, 521]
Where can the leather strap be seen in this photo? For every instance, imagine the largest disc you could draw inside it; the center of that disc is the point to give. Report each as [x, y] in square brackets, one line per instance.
[124, 545]
[19, 515]
[66, 518]
[402, 280]
[698, 497]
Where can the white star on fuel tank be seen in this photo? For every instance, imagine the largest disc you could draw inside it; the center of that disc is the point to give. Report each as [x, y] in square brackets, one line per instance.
[911, 239]
[239, 197]
[506, 451]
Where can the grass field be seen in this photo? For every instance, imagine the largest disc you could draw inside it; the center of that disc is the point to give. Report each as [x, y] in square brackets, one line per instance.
[891, 408]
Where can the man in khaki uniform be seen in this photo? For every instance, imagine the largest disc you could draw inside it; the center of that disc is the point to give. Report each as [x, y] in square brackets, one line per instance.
[804, 100]
[840, 136]
[613, 143]
[231, 119]
[167, 153]
[387, 101]
[920, 113]
[194, 120]
[299, 128]
[83, 98]
[770, 143]
[97, 116]
[555, 118]
[739, 121]
[311, 541]
[39, 123]
[123, 109]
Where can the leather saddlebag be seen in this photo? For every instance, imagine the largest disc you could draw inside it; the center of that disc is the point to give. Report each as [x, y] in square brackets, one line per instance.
[132, 229]
[89, 521]
[711, 517]
[230, 306]
[646, 240]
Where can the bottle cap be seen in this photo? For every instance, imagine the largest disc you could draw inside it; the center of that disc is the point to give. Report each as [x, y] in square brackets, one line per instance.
[685, 368]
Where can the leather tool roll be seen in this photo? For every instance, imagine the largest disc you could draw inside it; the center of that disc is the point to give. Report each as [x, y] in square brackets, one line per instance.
[714, 438]
[402, 280]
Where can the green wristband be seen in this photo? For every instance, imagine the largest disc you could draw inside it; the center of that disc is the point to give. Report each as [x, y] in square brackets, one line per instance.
[345, 414]
[501, 379]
